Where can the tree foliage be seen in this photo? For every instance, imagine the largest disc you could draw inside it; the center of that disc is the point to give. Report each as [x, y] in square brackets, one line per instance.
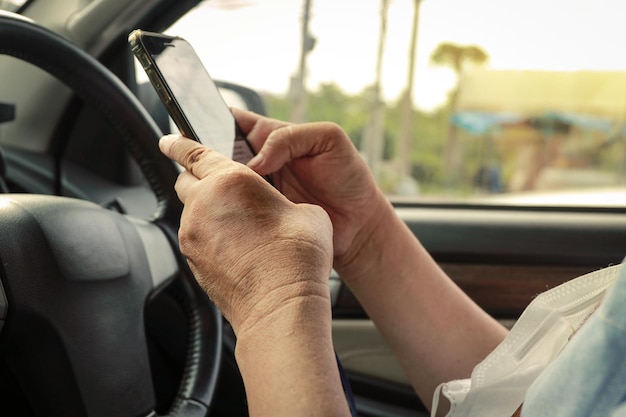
[458, 57]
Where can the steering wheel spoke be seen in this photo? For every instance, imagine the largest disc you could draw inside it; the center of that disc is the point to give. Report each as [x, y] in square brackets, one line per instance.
[162, 262]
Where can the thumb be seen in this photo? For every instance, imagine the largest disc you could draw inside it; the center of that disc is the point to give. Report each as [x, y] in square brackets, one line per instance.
[196, 158]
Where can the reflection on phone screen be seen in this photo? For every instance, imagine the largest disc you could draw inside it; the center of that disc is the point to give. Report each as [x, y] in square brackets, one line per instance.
[200, 100]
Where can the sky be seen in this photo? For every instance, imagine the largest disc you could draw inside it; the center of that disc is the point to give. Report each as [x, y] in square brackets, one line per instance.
[256, 43]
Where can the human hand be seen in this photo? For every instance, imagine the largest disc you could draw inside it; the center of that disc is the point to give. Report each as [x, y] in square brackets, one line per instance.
[317, 163]
[251, 249]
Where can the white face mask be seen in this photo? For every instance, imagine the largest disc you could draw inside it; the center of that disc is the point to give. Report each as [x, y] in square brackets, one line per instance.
[498, 384]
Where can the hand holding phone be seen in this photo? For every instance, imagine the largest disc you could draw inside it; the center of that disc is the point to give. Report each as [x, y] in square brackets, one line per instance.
[191, 97]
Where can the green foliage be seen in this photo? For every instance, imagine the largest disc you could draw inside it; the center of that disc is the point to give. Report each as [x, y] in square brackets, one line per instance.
[278, 107]
[428, 133]
[330, 104]
[445, 160]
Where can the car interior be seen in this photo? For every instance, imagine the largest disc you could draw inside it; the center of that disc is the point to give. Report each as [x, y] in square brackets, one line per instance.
[100, 315]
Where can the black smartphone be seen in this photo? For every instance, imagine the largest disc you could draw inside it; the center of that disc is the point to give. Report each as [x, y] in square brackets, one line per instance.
[190, 95]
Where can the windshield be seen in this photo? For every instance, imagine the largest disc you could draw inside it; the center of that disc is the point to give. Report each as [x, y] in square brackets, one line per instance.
[11, 5]
[479, 101]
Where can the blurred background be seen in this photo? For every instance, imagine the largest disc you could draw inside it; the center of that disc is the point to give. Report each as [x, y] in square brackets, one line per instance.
[447, 100]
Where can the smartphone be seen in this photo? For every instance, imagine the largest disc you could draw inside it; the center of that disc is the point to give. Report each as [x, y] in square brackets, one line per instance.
[191, 97]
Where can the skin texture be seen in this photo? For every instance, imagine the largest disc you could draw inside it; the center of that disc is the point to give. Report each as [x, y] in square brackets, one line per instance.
[264, 255]
[265, 262]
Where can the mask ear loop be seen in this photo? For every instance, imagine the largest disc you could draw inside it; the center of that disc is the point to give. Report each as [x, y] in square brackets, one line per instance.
[436, 397]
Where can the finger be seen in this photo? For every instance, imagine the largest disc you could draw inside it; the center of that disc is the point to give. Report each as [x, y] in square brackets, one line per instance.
[184, 184]
[256, 127]
[245, 119]
[297, 141]
[193, 156]
[177, 148]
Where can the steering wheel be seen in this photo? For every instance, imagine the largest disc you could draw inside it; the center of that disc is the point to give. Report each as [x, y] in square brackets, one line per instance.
[75, 277]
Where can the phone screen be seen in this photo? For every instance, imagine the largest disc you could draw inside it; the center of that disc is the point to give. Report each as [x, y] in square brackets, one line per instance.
[187, 90]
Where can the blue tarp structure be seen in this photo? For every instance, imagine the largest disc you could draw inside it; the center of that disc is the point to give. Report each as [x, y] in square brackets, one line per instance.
[480, 123]
[588, 100]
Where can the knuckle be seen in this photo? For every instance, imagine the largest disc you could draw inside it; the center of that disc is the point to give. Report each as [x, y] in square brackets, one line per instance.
[334, 132]
[187, 235]
[331, 127]
[186, 241]
[192, 225]
[237, 177]
[195, 155]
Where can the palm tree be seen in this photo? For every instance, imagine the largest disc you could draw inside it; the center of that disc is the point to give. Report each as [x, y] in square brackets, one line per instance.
[457, 57]
[372, 144]
[298, 82]
[404, 153]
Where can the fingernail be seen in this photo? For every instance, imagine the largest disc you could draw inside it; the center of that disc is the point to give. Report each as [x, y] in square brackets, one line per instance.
[166, 142]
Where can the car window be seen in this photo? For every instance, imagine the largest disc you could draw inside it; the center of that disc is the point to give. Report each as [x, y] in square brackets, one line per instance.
[510, 102]
[11, 5]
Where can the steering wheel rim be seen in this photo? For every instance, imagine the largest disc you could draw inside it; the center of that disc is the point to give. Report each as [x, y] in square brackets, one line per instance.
[97, 86]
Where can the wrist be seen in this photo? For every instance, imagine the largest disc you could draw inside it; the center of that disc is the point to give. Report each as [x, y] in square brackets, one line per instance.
[290, 323]
[367, 252]
[289, 305]
[287, 362]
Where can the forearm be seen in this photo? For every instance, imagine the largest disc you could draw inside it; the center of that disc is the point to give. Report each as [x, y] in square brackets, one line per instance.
[288, 365]
[437, 332]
